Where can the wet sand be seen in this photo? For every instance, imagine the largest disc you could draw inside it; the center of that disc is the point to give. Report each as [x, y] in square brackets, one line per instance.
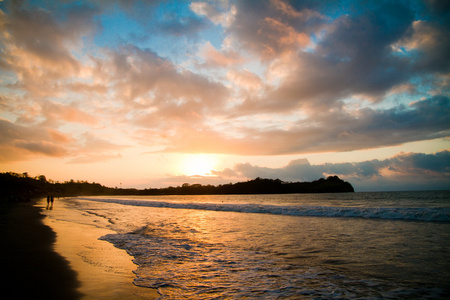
[57, 260]
[30, 267]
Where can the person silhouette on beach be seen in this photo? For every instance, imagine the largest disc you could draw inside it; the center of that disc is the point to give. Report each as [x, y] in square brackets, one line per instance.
[51, 200]
[48, 201]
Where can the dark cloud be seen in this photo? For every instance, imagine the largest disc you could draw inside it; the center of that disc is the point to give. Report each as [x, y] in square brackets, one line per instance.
[359, 47]
[432, 34]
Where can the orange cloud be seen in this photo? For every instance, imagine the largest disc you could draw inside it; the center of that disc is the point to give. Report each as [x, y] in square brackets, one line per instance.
[286, 36]
[96, 88]
[423, 36]
[218, 14]
[55, 112]
[245, 79]
[39, 50]
[24, 142]
[289, 11]
[59, 137]
[215, 58]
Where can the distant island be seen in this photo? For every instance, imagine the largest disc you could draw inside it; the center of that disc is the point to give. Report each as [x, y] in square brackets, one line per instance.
[21, 187]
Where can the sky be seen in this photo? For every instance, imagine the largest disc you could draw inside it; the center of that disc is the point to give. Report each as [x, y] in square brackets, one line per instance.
[159, 93]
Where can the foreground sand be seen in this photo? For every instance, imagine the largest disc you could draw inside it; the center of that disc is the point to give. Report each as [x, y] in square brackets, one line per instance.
[61, 260]
[30, 268]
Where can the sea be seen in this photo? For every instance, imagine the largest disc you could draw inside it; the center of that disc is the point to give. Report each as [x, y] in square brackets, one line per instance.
[363, 245]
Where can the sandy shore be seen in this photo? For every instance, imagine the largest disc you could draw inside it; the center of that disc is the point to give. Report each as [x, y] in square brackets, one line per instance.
[55, 259]
[30, 267]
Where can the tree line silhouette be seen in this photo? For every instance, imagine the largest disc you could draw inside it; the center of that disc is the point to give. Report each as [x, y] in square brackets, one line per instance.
[21, 187]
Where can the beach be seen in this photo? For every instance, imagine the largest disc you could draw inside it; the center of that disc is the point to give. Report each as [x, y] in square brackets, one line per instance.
[381, 245]
[392, 245]
[30, 266]
[57, 260]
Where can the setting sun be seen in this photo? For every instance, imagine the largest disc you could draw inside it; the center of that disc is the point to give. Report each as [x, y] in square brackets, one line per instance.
[176, 137]
[86, 95]
[198, 164]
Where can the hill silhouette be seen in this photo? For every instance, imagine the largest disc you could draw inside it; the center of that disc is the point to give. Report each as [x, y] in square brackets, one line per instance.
[20, 187]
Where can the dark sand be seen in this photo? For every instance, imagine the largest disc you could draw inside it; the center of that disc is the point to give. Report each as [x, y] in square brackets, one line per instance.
[29, 265]
[62, 261]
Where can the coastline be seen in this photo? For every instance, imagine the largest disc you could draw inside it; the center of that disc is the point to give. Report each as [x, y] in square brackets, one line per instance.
[30, 266]
[52, 258]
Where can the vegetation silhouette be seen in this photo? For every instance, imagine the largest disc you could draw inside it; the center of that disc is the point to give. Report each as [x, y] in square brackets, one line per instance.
[20, 187]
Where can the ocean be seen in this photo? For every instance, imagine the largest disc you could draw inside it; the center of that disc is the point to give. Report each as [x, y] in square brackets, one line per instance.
[379, 245]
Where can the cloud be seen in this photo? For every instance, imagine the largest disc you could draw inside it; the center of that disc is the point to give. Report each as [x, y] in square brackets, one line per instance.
[94, 158]
[28, 142]
[402, 171]
[21, 142]
[59, 113]
[247, 77]
[142, 73]
[219, 13]
[349, 56]
[181, 26]
[98, 144]
[429, 39]
[270, 28]
[154, 93]
[42, 57]
[224, 58]
[87, 88]
[42, 147]
[336, 131]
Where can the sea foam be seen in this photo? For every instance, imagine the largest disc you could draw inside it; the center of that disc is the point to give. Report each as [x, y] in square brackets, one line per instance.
[429, 214]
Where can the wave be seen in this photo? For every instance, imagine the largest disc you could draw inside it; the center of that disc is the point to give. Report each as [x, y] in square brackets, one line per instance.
[428, 214]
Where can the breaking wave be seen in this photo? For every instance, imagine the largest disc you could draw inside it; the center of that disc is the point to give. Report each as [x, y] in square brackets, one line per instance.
[429, 214]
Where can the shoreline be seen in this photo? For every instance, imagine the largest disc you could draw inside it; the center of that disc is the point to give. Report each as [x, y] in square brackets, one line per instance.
[105, 272]
[30, 266]
[58, 259]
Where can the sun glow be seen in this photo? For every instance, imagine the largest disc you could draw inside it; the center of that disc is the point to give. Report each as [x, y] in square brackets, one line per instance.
[198, 164]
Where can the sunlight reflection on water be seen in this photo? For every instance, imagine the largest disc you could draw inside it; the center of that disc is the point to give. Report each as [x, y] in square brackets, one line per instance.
[199, 254]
